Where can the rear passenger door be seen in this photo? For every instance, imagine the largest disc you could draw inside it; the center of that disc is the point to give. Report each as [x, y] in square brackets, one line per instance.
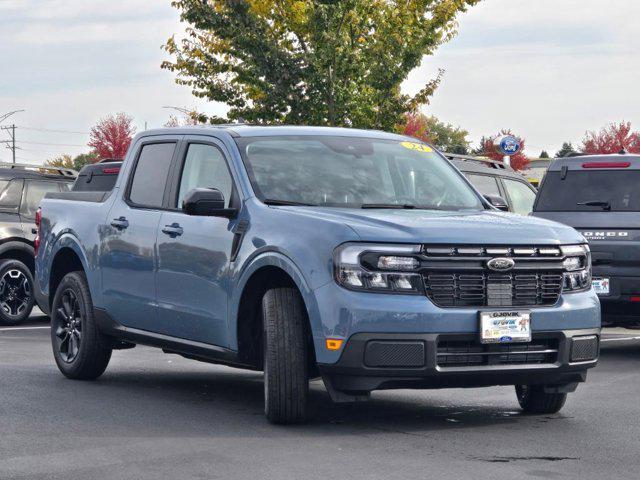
[194, 252]
[128, 258]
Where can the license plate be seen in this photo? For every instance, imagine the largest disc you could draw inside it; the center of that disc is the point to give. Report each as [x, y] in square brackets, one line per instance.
[505, 326]
[601, 286]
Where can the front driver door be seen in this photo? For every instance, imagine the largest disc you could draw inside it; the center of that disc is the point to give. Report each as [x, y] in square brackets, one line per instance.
[128, 258]
[194, 252]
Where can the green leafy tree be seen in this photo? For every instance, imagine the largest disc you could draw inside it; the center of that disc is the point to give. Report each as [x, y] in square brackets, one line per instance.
[544, 154]
[320, 62]
[445, 136]
[565, 150]
[84, 159]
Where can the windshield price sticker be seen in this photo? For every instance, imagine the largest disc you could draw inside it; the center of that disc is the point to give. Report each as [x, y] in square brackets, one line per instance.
[505, 327]
[418, 147]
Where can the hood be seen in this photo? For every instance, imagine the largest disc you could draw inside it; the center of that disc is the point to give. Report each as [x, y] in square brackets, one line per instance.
[432, 226]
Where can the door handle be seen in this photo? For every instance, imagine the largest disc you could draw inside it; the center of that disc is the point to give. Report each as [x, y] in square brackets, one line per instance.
[173, 230]
[120, 223]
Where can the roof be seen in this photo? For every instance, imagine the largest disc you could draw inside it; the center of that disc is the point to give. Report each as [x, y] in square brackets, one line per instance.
[471, 164]
[25, 170]
[242, 130]
[575, 163]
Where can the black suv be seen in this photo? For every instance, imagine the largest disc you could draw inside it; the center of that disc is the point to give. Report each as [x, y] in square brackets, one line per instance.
[498, 182]
[600, 197]
[22, 187]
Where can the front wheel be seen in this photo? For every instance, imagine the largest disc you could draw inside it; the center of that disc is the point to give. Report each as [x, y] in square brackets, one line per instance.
[534, 399]
[286, 383]
[16, 292]
[78, 346]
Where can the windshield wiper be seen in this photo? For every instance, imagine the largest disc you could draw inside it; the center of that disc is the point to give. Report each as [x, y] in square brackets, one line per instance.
[399, 206]
[596, 203]
[270, 201]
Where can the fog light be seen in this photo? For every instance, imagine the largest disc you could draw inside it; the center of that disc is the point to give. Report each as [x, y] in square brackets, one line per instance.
[333, 344]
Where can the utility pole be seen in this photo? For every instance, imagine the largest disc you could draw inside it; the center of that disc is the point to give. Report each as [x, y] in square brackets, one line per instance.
[11, 144]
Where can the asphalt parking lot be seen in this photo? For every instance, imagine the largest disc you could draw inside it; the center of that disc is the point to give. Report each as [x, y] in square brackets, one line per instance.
[156, 416]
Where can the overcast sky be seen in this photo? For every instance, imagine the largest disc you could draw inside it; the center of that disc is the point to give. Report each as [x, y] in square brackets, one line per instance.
[547, 69]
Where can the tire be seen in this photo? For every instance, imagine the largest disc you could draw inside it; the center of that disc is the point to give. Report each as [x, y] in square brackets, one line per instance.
[286, 383]
[79, 348]
[16, 292]
[533, 399]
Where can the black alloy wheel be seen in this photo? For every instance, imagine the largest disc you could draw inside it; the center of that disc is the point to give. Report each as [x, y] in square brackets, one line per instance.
[68, 328]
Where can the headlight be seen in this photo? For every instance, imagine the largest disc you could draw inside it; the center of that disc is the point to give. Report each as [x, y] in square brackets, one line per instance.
[378, 268]
[577, 268]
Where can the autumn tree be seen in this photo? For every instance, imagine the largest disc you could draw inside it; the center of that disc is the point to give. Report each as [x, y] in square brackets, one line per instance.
[320, 62]
[565, 150]
[111, 137]
[519, 161]
[83, 159]
[61, 161]
[611, 139]
[444, 136]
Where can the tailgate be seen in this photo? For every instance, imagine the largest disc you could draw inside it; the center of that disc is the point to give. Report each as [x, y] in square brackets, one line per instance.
[614, 239]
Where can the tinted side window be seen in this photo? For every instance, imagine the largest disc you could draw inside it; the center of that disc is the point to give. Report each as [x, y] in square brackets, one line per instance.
[10, 195]
[150, 176]
[522, 197]
[35, 192]
[205, 167]
[485, 184]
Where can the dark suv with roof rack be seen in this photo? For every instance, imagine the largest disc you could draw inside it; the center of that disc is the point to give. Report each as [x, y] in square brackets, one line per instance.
[500, 184]
[599, 196]
[22, 187]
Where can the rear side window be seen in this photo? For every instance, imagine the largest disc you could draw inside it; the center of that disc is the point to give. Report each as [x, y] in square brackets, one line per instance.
[10, 194]
[619, 189]
[34, 194]
[485, 184]
[522, 197]
[150, 176]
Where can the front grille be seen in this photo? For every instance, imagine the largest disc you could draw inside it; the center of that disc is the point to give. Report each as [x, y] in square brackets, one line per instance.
[469, 353]
[456, 289]
[459, 276]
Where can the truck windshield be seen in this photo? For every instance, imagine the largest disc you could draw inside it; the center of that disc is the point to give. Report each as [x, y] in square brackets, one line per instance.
[590, 191]
[353, 172]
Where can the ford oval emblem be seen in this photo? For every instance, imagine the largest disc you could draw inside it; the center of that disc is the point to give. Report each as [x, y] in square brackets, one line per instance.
[501, 264]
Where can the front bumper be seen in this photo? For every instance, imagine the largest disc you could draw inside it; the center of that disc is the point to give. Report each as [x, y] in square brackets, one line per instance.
[353, 372]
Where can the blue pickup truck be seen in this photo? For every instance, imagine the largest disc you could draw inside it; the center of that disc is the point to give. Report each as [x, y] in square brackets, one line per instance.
[359, 257]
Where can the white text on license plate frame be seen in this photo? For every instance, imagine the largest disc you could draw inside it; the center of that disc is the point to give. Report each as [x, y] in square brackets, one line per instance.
[505, 326]
[602, 286]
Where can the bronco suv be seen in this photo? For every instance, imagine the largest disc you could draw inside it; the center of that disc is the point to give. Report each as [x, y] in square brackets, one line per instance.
[599, 195]
[361, 257]
[22, 186]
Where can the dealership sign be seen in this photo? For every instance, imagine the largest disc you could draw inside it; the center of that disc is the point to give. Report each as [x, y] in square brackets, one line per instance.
[508, 145]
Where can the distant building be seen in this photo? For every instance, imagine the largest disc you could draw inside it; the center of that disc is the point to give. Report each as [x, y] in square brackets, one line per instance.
[537, 170]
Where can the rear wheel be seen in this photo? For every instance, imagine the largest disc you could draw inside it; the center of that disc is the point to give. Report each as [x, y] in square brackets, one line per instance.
[78, 347]
[16, 292]
[286, 383]
[534, 399]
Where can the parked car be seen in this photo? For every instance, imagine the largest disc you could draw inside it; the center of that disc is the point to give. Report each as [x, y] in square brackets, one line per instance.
[599, 195]
[22, 186]
[98, 177]
[360, 257]
[498, 181]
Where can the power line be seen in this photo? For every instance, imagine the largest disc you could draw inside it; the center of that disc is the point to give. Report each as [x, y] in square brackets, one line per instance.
[53, 144]
[51, 130]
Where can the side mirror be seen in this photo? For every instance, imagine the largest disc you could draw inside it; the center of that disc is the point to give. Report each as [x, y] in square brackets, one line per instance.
[206, 202]
[498, 202]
